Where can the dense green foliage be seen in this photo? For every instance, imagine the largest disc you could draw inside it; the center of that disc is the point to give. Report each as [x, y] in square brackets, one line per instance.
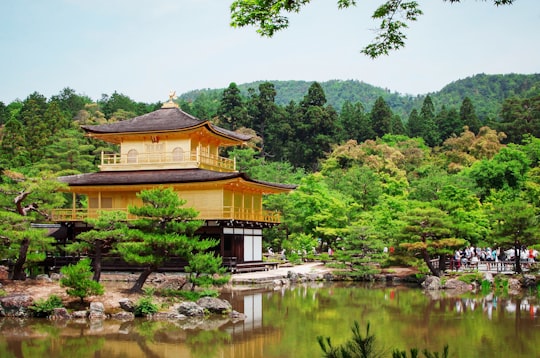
[77, 279]
[44, 307]
[375, 169]
[394, 17]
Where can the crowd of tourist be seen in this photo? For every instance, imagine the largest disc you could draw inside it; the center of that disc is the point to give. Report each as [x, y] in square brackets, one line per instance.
[472, 256]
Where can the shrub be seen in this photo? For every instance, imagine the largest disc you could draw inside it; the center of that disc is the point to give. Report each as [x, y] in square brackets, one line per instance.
[44, 307]
[78, 279]
[145, 307]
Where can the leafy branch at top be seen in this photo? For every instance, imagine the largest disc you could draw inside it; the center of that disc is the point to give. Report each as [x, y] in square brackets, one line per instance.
[394, 16]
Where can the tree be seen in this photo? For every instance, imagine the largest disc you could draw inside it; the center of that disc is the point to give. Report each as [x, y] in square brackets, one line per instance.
[232, 111]
[515, 225]
[467, 115]
[107, 230]
[25, 200]
[427, 232]
[70, 102]
[394, 16]
[520, 116]
[381, 118]
[429, 131]
[164, 230]
[354, 123]
[37, 131]
[314, 129]
[77, 279]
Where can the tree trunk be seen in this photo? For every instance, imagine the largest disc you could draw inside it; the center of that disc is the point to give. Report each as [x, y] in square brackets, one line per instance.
[137, 287]
[18, 273]
[97, 260]
[427, 260]
[517, 259]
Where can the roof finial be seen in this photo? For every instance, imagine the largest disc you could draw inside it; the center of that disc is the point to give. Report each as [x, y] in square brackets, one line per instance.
[170, 103]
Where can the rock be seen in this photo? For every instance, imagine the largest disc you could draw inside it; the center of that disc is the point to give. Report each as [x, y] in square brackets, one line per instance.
[455, 284]
[43, 278]
[56, 276]
[328, 276]
[215, 305]
[514, 286]
[123, 316]
[293, 276]
[162, 316]
[173, 283]
[97, 311]
[529, 281]
[237, 316]
[16, 305]
[432, 283]
[190, 309]
[4, 272]
[127, 305]
[79, 314]
[59, 314]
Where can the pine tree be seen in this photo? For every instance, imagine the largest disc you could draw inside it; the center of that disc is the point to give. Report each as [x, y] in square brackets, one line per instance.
[381, 118]
[468, 116]
[429, 132]
[164, 229]
[232, 111]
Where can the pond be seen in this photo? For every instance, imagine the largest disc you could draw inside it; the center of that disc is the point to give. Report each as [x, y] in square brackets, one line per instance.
[286, 323]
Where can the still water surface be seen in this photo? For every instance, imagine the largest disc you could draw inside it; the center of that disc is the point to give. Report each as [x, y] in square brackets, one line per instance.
[285, 323]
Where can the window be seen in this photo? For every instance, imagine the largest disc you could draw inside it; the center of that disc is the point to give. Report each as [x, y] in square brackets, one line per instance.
[132, 156]
[178, 154]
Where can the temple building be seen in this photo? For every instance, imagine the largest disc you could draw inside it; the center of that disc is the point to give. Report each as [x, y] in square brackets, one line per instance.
[171, 148]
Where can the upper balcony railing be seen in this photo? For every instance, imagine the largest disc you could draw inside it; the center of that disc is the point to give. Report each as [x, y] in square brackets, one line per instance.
[166, 160]
[227, 213]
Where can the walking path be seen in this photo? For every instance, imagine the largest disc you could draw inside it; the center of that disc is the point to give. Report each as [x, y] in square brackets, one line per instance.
[279, 273]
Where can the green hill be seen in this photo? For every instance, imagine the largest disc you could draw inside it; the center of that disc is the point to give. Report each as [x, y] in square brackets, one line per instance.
[487, 93]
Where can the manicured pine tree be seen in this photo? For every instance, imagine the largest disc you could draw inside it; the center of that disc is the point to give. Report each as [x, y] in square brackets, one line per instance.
[164, 230]
[25, 200]
[108, 229]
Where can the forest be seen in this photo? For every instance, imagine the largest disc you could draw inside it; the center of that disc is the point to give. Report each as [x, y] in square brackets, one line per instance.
[424, 175]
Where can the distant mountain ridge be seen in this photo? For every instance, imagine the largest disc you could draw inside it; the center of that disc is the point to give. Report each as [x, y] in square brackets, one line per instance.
[487, 92]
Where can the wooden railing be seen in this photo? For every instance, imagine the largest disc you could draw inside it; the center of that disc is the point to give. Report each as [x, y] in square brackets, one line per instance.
[227, 213]
[169, 160]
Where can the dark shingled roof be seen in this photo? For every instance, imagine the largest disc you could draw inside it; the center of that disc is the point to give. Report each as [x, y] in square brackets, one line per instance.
[164, 119]
[160, 177]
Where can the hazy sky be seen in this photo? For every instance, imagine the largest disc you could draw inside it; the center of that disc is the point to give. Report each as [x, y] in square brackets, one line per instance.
[146, 48]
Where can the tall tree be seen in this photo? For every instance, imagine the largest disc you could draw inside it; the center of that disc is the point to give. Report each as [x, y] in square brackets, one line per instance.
[37, 130]
[314, 129]
[70, 102]
[381, 118]
[520, 116]
[232, 111]
[13, 149]
[449, 123]
[354, 123]
[467, 115]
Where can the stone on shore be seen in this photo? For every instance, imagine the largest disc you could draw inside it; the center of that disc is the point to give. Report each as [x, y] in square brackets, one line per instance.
[215, 305]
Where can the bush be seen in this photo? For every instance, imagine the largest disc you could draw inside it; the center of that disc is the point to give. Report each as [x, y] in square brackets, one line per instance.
[145, 307]
[44, 307]
[78, 279]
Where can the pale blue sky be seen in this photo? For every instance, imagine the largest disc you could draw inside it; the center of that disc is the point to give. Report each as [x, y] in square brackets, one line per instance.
[146, 48]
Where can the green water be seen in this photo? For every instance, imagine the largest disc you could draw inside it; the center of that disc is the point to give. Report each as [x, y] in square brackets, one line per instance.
[285, 323]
